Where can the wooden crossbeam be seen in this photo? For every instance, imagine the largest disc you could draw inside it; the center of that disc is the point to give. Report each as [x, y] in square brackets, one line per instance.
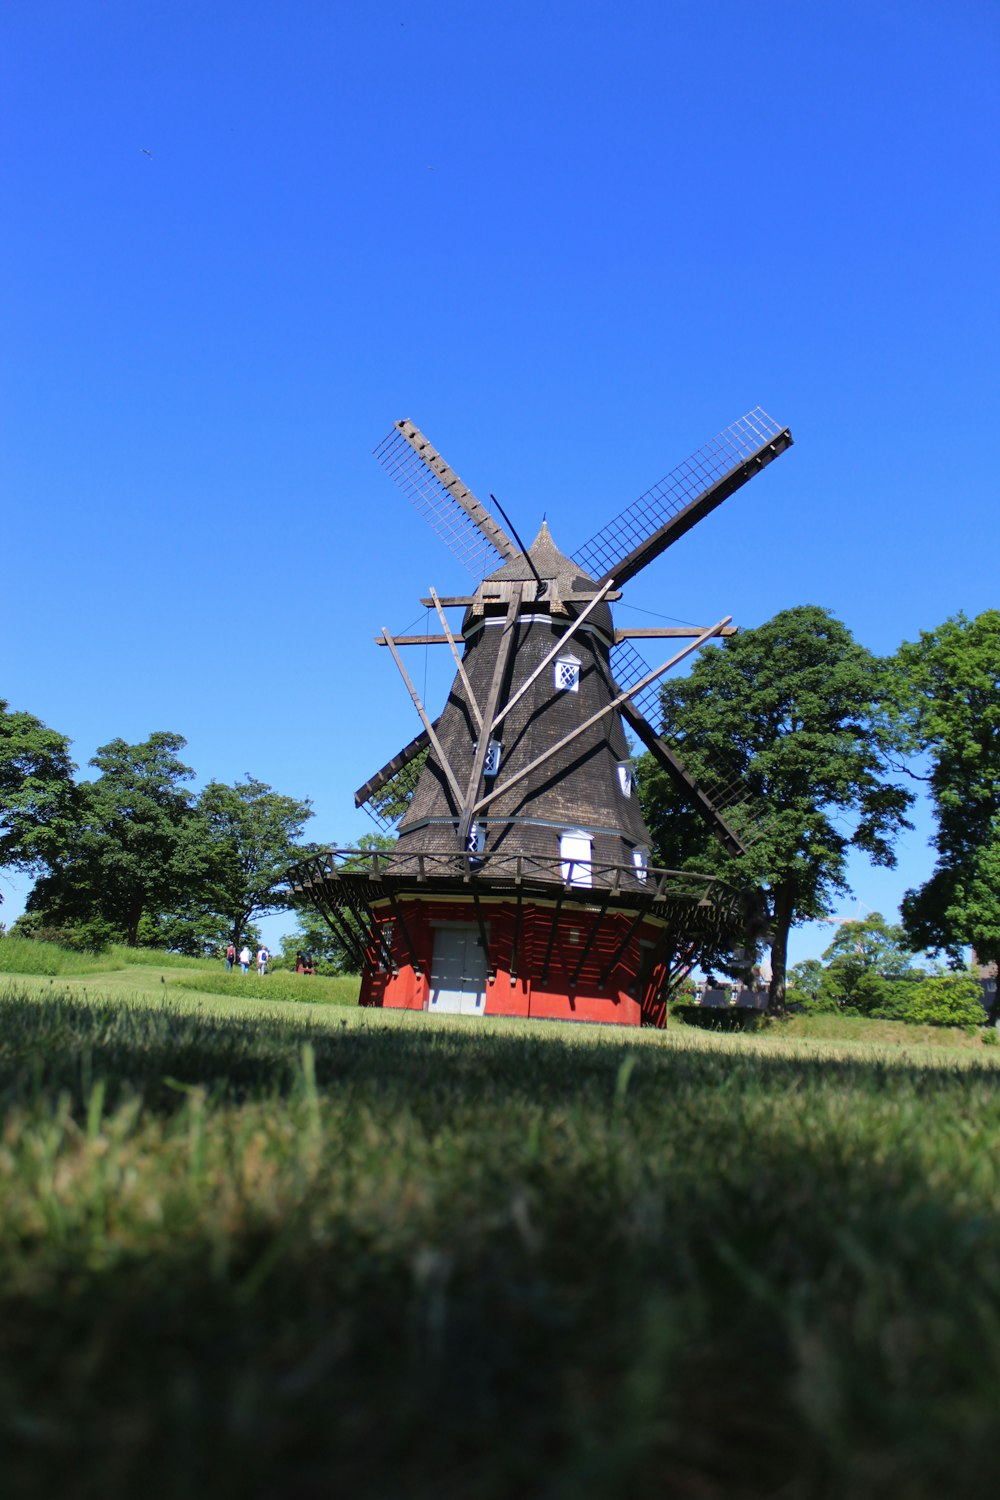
[428, 726]
[559, 645]
[497, 790]
[683, 779]
[664, 632]
[489, 714]
[470, 695]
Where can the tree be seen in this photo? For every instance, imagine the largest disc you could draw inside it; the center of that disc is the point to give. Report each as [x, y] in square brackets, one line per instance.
[864, 963]
[134, 847]
[949, 682]
[803, 715]
[36, 791]
[252, 834]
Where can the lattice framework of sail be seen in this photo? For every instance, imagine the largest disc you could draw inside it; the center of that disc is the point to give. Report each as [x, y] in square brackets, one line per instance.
[734, 446]
[437, 505]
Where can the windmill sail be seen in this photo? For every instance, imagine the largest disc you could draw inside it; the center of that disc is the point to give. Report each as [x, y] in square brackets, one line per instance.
[681, 499]
[451, 508]
[386, 796]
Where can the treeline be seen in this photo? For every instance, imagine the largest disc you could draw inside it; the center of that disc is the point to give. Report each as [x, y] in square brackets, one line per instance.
[816, 744]
[869, 970]
[133, 855]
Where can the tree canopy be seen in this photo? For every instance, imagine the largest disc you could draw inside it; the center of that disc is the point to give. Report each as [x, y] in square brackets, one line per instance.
[949, 685]
[134, 848]
[253, 834]
[801, 713]
[36, 790]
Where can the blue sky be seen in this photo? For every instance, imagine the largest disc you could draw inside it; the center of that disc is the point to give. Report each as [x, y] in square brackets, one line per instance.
[571, 241]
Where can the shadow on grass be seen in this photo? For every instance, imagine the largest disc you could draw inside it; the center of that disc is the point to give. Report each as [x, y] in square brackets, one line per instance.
[56, 1046]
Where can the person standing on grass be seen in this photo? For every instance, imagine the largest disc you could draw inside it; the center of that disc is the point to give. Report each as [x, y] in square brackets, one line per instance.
[244, 958]
[230, 957]
[262, 958]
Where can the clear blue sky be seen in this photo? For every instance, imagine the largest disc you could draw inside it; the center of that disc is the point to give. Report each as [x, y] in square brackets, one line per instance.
[571, 241]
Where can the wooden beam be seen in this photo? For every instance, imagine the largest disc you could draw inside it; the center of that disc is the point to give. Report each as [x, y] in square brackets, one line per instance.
[595, 927]
[560, 643]
[470, 695]
[666, 632]
[428, 726]
[464, 601]
[392, 767]
[414, 640]
[612, 964]
[683, 779]
[459, 492]
[615, 703]
[492, 698]
[695, 510]
[544, 972]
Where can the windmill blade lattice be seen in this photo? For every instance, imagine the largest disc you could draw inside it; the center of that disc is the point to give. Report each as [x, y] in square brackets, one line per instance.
[461, 521]
[622, 548]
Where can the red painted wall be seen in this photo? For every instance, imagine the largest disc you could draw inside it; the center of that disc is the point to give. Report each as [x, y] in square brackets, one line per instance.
[618, 1002]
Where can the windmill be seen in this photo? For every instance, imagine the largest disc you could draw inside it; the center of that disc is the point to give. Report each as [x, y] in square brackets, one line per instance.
[520, 880]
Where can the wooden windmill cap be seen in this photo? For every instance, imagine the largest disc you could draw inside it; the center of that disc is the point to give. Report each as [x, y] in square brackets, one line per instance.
[561, 575]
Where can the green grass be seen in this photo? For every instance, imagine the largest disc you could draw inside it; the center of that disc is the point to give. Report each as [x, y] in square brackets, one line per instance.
[279, 985]
[317, 1250]
[25, 956]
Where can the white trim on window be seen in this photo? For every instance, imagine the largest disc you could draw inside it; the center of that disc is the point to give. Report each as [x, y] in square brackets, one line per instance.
[626, 777]
[640, 862]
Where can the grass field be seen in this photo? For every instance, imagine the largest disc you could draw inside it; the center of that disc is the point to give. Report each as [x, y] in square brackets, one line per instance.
[265, 1247]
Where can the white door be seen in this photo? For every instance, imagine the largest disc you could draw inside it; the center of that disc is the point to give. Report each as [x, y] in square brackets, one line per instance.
[458, 972]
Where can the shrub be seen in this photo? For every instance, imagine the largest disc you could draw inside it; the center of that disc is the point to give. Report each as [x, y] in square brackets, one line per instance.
[940, 1000]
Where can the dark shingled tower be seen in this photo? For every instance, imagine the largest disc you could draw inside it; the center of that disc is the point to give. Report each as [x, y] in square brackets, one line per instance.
[520, 881]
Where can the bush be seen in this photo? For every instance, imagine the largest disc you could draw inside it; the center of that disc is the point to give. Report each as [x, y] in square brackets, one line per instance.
[940, 1000]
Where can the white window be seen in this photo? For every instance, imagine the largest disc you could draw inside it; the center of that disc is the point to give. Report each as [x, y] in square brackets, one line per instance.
[574, 854]
[626, 778]
[492, 763]
[567, 674]
[475, 839]
[640, 859]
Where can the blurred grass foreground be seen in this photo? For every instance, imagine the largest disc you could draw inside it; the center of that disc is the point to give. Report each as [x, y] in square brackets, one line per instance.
[262, 1248]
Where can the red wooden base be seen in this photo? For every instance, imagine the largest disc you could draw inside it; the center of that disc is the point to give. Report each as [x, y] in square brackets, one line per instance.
[569, 963]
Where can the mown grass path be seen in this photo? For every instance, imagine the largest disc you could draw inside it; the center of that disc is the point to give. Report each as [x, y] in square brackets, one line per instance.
[263, 1248]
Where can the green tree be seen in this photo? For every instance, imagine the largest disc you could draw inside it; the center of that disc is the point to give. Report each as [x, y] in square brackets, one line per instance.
[949, 681]
[804, 716]
[253, 833]
[134, 847]
[864, 963]
[37, 792]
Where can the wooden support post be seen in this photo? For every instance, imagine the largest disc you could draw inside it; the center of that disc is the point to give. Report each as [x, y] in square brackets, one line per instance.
[552, 937]
[428, 726]
[398, 914]
[591, 938]
[515, 940]
[470, 695]
[344, 932]
[484, 940]
[489, 713]
[632, 929]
